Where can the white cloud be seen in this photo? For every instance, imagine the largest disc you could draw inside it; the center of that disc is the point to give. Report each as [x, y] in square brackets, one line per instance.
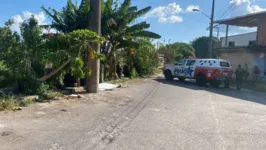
[166, 14]
[40, 17]
[254, 9]
[171, 19]
[244, 7]
[162, 11]
[18, 20]
[238, 2]
[191, 7]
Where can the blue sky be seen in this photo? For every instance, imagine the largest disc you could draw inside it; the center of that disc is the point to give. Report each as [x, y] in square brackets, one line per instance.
[172, 19]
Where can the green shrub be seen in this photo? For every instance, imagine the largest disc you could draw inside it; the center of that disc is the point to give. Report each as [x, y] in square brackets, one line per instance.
[26, 102]
[145, 59]
[32, 86]
[8, 103]
[134, 73]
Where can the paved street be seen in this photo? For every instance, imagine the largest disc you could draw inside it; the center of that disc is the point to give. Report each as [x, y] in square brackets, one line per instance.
[151, 114]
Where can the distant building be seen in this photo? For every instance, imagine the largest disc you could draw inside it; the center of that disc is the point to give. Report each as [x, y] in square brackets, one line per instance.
[247, 39]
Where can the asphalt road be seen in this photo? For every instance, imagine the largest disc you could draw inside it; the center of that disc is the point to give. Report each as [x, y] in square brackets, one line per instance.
[154, 114]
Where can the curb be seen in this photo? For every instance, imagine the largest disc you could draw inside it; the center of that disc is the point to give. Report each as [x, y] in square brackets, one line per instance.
[247, 90]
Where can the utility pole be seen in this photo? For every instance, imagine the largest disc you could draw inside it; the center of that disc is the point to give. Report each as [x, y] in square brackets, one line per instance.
[211, 29]
[94, 64]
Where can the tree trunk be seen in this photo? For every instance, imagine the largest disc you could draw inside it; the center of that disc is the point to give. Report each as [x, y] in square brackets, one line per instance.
[56, 70]
[111, 67]
[78, 82]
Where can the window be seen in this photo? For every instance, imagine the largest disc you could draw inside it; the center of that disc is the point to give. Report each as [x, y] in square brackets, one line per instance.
[252, 43]
[224, 64]
[191, 62]
[231, 44]
[180, 62]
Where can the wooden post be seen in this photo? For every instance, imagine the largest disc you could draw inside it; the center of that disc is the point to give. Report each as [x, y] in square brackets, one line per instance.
[94, 64]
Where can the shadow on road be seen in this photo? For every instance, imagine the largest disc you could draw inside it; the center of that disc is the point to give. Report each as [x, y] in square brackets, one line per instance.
[252, 96]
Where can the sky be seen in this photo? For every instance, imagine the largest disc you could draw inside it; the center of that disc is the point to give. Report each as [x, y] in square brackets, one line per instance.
[174, 20]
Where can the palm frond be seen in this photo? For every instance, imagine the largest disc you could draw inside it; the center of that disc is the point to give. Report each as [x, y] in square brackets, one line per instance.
[124, 7]
[137, 27]
[147, 34]
[49, 14]
[143, 11]
[132, 9]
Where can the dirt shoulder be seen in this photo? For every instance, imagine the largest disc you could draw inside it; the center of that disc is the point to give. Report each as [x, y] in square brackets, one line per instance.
[41, 122]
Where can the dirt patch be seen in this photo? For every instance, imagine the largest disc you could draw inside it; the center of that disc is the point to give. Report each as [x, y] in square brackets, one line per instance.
[6, 133]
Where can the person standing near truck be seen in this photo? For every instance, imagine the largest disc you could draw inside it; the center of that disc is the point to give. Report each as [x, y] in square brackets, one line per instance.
[239, 77]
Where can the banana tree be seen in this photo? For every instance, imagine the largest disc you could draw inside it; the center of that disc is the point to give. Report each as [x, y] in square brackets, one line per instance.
[117, 29]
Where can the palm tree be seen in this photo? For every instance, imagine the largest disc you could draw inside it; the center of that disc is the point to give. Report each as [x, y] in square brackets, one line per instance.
[116, 25]
[116, 28]
[72, 17]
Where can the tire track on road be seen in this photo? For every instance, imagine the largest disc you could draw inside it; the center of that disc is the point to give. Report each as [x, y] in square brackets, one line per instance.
[112, 131]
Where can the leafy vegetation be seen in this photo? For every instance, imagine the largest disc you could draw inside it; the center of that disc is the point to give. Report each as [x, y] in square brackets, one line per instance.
[24, 57]
[144, 62]
[117, 26]
[201, 46]
[8, 103]
[176, 51]
[33, 62]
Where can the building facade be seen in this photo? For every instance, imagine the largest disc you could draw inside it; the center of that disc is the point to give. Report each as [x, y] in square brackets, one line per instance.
[247, 39]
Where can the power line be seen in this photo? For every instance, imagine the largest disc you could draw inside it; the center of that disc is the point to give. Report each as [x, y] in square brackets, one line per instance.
[223, 10]
[184, 15]
[231, 10]
[225, 13]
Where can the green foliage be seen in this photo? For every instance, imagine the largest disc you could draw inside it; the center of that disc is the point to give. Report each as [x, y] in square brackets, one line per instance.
[201, 46]
[26, 102]
[145, 60]
[30, 85]
[71, 18]
[8, 103]
[117, 24]
[76, 68]
[134, 73]
[18, 55]
[176, 51]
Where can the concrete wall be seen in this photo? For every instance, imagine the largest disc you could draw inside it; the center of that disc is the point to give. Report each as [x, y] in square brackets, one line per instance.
[243, 57]
[240, 40]
[262, 32]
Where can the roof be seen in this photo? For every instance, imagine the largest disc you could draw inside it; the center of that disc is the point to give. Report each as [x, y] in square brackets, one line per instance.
[250, 20]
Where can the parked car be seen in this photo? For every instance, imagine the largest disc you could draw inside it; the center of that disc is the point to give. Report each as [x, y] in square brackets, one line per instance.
[203, 70]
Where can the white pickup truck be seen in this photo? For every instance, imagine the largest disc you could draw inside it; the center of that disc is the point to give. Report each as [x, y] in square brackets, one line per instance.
[203, 70]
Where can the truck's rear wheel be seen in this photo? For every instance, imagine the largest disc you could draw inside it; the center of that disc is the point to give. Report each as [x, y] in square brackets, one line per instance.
[201, 80]
[168, 75]
[181, 79]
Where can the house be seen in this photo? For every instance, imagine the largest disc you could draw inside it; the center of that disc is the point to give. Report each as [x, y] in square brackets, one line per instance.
[247, 39]
[247, 48]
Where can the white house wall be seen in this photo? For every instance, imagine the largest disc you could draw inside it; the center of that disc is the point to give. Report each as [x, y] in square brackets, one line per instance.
[240, 40]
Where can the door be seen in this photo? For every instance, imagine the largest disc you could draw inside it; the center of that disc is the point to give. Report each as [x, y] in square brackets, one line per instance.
[179, 68]
[189, 68]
